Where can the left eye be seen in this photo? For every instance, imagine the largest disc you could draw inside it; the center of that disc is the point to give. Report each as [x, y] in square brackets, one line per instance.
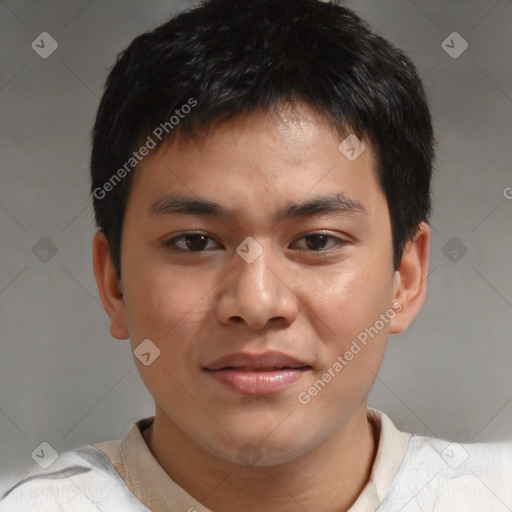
[318, 241]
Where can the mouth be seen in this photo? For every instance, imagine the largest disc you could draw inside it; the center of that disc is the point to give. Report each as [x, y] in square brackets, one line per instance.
[257, 374]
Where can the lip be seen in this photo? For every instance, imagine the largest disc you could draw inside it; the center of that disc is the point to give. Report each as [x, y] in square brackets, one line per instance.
[257, 374]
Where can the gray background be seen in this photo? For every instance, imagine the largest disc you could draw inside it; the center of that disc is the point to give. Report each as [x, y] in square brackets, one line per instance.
[64, 380]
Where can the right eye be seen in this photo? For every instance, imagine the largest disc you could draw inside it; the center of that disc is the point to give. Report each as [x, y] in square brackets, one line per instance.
[190, 241]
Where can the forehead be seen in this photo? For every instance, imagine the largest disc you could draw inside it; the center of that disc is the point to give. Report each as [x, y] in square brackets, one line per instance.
[279, 157]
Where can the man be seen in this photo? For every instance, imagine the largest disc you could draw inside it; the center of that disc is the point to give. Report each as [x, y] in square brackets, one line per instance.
[261, 181]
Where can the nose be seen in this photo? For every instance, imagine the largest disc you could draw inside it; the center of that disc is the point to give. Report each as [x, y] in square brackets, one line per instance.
[257, 293]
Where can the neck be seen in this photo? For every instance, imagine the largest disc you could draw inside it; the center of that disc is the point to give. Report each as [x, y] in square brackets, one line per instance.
[329, 478]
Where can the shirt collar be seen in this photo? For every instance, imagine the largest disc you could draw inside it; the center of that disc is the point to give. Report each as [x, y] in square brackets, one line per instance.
[155, 489]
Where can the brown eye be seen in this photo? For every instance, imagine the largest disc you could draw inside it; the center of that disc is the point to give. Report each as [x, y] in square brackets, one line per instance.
[315, 242]
[320, 242]
[190, 242]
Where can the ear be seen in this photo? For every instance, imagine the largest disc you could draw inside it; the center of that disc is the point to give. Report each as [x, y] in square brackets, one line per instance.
[410, 280]
[109, 286]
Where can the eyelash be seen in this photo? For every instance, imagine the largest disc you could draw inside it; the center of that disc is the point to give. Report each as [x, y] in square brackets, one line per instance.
[172, 242]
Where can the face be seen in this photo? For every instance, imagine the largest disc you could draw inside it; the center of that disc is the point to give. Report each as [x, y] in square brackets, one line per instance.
[259, 262]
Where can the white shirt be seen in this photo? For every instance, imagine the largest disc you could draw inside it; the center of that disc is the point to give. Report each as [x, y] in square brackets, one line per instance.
[410, 474]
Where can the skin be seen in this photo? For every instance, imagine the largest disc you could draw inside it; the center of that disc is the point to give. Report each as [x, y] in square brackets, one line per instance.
[306, 302]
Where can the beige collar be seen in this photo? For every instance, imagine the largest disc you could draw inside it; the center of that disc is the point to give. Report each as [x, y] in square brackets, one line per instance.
[155, 489]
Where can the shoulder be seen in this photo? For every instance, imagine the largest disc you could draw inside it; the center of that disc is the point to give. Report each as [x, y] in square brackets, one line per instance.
[81, 480]
[442, 475]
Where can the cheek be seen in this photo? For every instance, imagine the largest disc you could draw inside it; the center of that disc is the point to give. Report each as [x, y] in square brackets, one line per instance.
[349, 300]
[156, 290]
[169, 311]
[157, 302]
[349, 303]
[173, 310]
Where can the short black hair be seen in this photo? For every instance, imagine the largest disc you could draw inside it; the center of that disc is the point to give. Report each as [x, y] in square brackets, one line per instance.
[231, 57]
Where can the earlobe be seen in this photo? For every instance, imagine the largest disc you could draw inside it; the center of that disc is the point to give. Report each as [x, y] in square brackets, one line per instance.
[109, 287]
[410, 280]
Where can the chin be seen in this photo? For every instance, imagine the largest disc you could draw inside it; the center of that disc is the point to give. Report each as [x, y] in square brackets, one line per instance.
[266, 446]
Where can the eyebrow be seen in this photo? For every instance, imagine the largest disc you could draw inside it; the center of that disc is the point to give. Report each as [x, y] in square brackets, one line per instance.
[338, 203]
